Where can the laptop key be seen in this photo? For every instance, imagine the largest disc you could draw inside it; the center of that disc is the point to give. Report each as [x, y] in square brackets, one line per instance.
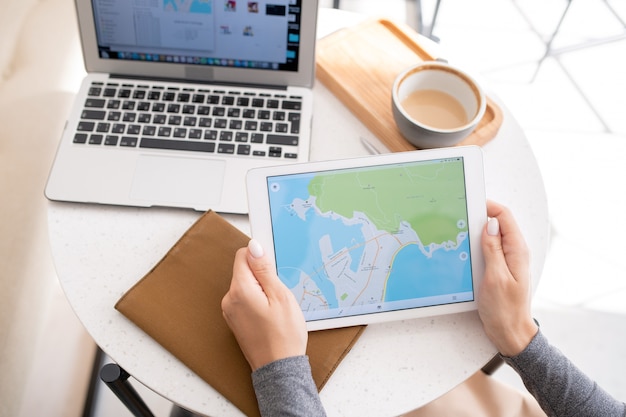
[275, 151]
[94, 91]
[174, 120]
[190, 121]
[291, 105]
[80, 138]
[226, 136]
[128, 141]
[95, 139]
[85, 126]
[282, 140]
[93, 114]
[95, 103]
[139, 94]
[164, 131]
[159, 119]
[148, 130]
[243, 150]
[114, 104]
[210, 135]
[143, 106]
[180, 132]
[111, 140]
[295, 126]
[182, 145]
[103, 127]
[195, 133]
[225, 148]
[144, 118]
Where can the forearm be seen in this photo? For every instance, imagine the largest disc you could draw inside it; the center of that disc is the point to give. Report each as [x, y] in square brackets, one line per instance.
[559, 386]
[286, 388]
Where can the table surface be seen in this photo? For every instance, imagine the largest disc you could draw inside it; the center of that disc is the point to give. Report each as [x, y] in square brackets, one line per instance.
[101, 251]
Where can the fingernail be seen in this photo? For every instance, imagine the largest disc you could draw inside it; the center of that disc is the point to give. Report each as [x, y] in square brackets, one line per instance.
[493, 227]
[255, 248]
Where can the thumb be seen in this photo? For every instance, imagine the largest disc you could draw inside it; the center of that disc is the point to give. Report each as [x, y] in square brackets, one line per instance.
[492, 243]
[261, 266]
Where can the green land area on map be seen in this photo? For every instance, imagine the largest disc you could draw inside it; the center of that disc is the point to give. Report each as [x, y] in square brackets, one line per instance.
[431, 198]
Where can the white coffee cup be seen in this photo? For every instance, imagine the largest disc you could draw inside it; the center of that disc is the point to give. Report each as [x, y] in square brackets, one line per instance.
[435, 104]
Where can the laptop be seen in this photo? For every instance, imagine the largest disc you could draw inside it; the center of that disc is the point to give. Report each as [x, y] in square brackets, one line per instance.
[183, 97]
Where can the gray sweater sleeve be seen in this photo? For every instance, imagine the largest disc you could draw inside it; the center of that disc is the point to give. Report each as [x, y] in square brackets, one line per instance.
[560, 388]
[286, 388]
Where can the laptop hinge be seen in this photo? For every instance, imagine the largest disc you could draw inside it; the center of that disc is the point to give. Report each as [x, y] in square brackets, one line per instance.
[202, 82]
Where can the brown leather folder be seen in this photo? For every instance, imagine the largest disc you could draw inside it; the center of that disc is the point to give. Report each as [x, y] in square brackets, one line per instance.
[178, 303]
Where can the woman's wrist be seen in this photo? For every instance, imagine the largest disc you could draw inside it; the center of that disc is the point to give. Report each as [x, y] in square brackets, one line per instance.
[515, 341]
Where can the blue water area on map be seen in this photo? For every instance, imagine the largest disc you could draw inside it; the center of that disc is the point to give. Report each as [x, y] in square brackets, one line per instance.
[299, 239]
[416, 276]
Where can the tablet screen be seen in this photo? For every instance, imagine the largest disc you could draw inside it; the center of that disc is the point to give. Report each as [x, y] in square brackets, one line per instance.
[370, 239]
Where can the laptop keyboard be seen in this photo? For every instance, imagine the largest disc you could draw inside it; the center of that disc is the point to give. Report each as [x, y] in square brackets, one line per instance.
[223, 121]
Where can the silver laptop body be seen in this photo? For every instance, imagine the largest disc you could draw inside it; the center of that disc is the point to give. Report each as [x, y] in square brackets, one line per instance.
[183, 97]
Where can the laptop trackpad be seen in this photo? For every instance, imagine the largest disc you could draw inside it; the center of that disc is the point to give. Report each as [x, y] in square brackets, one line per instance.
[187, 182]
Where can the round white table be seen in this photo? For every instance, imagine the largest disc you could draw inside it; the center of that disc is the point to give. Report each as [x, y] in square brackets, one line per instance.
[101, 251]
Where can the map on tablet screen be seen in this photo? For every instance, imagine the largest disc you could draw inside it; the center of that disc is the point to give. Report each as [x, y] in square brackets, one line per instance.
[364, 240]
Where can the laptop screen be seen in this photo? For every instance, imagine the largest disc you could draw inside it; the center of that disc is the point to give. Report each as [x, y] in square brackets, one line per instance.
[263, 34]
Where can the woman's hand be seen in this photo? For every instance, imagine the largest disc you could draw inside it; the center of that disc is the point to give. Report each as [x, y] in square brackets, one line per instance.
[504, 298]
[261, 311]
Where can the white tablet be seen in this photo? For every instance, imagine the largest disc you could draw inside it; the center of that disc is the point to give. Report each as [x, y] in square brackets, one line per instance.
[381, 238]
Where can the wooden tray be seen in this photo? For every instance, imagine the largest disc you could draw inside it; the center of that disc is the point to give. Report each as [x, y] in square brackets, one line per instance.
[359, 65]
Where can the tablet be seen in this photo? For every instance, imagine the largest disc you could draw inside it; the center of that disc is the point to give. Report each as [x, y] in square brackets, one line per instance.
[380, 238]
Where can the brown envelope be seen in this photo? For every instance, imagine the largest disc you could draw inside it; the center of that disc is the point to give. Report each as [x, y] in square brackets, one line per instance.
[178, 303]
